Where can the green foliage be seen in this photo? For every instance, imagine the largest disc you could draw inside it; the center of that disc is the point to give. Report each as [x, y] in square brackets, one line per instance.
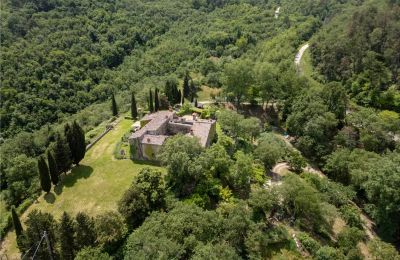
[134, 112]
[85, 232]
[303, 203]
[62, 154]
[237, 126]
[312, 121]
[177, 154]
[22, 179]
[156, 100]
[238, 78]
[328, 253]
[349, 237]
[66, 237]
[45, 181]
[270, 150]
[296, 161]
[89, 253]
[36, 223]
[351, 215]
[79, 149]
[114, 107]
[110, 230]
[215, 252]
[147, 193]
[151, 104]
[53, 170]
[381, 250]
[310, 244]
[362, 57]
[263, 202]
[241, 174]
[334, 193]
[16, 222]
[262, 241]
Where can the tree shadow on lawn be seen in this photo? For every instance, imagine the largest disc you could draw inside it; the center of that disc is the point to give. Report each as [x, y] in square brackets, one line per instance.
[78, 172]
[49, 197]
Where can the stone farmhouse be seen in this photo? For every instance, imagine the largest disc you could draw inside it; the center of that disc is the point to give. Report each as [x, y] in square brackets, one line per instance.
[155, 128]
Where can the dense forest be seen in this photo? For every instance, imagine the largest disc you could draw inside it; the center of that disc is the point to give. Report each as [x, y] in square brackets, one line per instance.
[64, 62]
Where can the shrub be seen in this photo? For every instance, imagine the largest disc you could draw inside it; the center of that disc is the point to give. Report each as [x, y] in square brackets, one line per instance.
[309, 243]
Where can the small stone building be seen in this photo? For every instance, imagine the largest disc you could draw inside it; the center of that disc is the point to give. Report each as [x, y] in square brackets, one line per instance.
[157, 127]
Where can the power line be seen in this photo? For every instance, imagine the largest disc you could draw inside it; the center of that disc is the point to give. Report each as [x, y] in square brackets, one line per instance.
[37, 248]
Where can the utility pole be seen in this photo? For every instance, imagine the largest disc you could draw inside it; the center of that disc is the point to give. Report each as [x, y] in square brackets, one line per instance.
[48, 245]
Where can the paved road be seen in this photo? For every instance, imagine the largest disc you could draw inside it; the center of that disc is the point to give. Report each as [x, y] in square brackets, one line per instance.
[299, 54]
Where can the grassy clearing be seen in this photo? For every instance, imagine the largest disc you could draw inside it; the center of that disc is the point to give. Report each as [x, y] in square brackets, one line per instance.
[93, 187]
[306, 68]
[206, 92]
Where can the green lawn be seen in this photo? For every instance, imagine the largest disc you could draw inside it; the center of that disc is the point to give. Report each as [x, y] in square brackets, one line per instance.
[93, 187]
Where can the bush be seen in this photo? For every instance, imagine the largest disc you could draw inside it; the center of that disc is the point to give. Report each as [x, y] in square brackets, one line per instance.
[349, 238]
[309, 243]
[328, 253]
[351, 215]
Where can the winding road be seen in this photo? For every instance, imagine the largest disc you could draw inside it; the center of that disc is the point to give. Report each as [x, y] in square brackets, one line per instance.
[300, 53]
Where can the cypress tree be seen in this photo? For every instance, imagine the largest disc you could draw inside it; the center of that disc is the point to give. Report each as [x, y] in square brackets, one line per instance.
[151, 107]
[114, 107]
[79, 149]
[186, 87]
[66, 237]
[134, 113]
[192, 91]
[70, 138]
[62, 154]
[85, 232]
[179, 96]
[52, 167]
[156, 100]
[45, 181]
[16, 222]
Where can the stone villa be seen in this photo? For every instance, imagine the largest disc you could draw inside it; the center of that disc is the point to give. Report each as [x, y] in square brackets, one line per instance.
[155, 128]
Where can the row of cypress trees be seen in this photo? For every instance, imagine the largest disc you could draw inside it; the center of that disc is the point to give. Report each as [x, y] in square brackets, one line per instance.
[67, 149]
[154, 107]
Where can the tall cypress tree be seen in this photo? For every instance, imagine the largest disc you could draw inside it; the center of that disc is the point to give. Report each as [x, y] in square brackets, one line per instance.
[52, 167]
[114, 107]
[79, 149]
[156, 100]
[192, 91]
[134, 112]
[179, 96]
[44, 175]
[186, 87]
[70, 138]
[16, 222]
[151, 107]
[85, 232]
[62, 154]
[66, 237]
